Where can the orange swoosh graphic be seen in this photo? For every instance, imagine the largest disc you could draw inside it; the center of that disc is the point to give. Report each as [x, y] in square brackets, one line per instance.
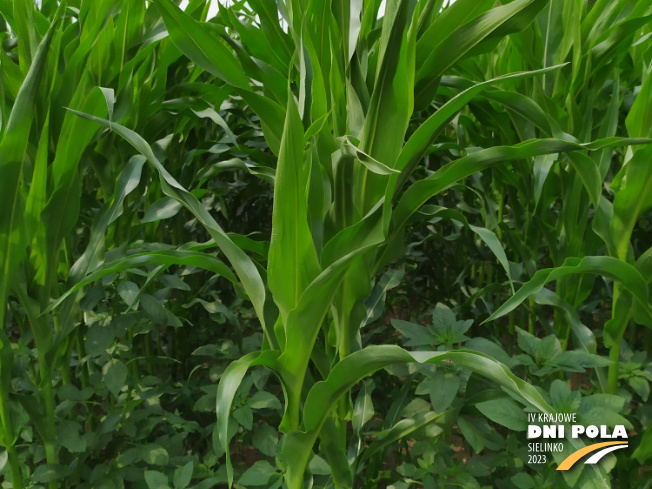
[574, 457]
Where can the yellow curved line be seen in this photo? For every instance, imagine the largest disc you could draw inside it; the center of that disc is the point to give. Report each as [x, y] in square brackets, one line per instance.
[574, 457]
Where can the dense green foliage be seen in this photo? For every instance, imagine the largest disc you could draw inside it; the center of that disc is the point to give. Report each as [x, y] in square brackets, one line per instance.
[322, 243]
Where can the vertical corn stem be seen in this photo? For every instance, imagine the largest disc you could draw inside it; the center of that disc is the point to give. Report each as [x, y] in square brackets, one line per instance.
[14, 467]
[47, 394]
[6, 361]
[614, 351]
[614, 356]
[8, 435]
[43, 345]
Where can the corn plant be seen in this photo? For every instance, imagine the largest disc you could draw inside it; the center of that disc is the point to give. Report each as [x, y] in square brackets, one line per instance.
[337, 88]
[595, 40]
[21, 223]
[64, 51]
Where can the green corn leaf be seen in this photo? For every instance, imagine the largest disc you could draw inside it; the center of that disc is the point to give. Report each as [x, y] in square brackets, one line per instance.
[165, 208]
[255, 42]
[486, 235]
[12, 152]
[364, 408]
[272, 117]
[226, 390]
[293, 260]
[491, 240]
[373, 165]
[358, 365]
[93, 255]
[583, 335]
[304, 322]
[37, 197]
[632, 200]
[324, 395]
[279, 41]
[389, 109]
[610, 267]
[375, 303]
[243, 265]
[263, 172]
[23, 15]
[13, 229]
[477, 36]
[163, 257]
[337, 458]
[614, 46]
[589, 173]
[427, 132]
[453, 17]
[361, 234]
[13, 233]
[615, 327]
[127, 181]
[62, 210]
[635, 196]
[644, 265]
[43, 336]
[127, 32]
[201, 46]
[527, 108]
[400, 430]
[415, 196]
[639, 119]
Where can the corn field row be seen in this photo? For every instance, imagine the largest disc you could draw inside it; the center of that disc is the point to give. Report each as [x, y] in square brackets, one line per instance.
[324, 243]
